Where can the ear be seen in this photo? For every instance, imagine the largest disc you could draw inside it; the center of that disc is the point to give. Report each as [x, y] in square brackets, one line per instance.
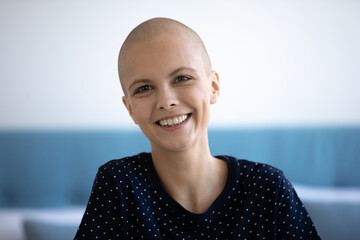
[215, 87]
[129, 108]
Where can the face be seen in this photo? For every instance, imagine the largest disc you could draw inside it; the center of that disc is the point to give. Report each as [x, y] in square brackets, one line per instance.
[168, 92]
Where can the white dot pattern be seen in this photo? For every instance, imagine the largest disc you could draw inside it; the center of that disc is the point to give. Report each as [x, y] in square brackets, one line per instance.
[128, 202]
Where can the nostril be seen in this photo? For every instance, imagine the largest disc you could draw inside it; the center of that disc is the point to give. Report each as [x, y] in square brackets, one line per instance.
[166, 106]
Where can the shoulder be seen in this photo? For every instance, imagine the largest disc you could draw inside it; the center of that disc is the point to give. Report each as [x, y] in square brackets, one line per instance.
[135, 160]
[252, 175]
[251, 168]
[127, 166]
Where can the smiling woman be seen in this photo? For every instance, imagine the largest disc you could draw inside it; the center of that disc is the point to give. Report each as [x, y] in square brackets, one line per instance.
[179, 190]
[163, 78]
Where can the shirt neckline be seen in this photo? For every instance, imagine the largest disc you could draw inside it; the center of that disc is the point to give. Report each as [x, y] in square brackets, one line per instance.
[214, 209]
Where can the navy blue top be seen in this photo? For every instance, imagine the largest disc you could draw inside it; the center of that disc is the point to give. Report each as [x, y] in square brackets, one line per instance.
[129, 202]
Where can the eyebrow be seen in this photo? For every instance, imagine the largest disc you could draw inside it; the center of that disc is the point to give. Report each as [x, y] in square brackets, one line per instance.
[180, 69]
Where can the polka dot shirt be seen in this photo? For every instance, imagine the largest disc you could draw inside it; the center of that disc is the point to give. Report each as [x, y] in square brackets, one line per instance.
[257, 202]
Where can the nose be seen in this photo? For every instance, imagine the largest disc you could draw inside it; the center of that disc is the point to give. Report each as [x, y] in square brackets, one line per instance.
[166, 99]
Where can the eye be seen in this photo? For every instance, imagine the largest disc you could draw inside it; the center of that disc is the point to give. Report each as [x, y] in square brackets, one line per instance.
[182, 79]
[143, 89]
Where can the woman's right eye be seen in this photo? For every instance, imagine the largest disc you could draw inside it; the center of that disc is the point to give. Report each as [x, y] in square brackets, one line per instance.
[143, 89]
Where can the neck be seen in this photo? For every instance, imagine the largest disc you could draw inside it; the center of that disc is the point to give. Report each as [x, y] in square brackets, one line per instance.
[193, 177]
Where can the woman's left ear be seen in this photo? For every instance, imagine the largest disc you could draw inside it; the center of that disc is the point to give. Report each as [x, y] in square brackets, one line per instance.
[215, 87]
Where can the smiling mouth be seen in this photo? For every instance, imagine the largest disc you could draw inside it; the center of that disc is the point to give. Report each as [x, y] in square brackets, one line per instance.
[173, 121]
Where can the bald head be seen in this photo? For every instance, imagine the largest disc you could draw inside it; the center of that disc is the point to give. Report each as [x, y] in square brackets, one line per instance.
[157, 28]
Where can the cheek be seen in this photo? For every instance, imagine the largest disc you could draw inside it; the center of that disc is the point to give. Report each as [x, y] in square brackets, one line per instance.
[199, 97]
[203, 92]
[138, 113]
[142, 110]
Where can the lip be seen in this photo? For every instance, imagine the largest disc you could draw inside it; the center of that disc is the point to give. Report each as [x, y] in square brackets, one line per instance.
[178, 126]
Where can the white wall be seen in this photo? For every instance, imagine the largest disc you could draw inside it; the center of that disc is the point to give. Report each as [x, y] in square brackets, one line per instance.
[280, 62]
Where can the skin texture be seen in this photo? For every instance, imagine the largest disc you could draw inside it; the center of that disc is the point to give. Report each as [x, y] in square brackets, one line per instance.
[165, 72]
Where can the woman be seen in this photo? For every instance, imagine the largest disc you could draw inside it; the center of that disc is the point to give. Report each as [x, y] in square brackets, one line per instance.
[179, 190]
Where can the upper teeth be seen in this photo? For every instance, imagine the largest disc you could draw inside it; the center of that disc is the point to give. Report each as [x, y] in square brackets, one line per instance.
[173, 121]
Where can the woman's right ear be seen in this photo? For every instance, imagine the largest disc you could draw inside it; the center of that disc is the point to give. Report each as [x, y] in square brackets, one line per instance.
[129, 108]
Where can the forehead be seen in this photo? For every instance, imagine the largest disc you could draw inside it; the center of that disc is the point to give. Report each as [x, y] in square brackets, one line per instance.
[158, 56]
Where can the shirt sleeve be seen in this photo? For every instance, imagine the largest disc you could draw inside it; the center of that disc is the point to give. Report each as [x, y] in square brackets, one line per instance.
[292, 220]
[102, 217]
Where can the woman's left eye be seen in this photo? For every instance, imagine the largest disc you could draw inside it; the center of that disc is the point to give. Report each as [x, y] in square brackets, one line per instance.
[182, 79]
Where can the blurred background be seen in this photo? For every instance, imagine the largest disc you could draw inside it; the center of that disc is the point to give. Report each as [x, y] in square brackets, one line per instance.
[290, 83]
[280, 62]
